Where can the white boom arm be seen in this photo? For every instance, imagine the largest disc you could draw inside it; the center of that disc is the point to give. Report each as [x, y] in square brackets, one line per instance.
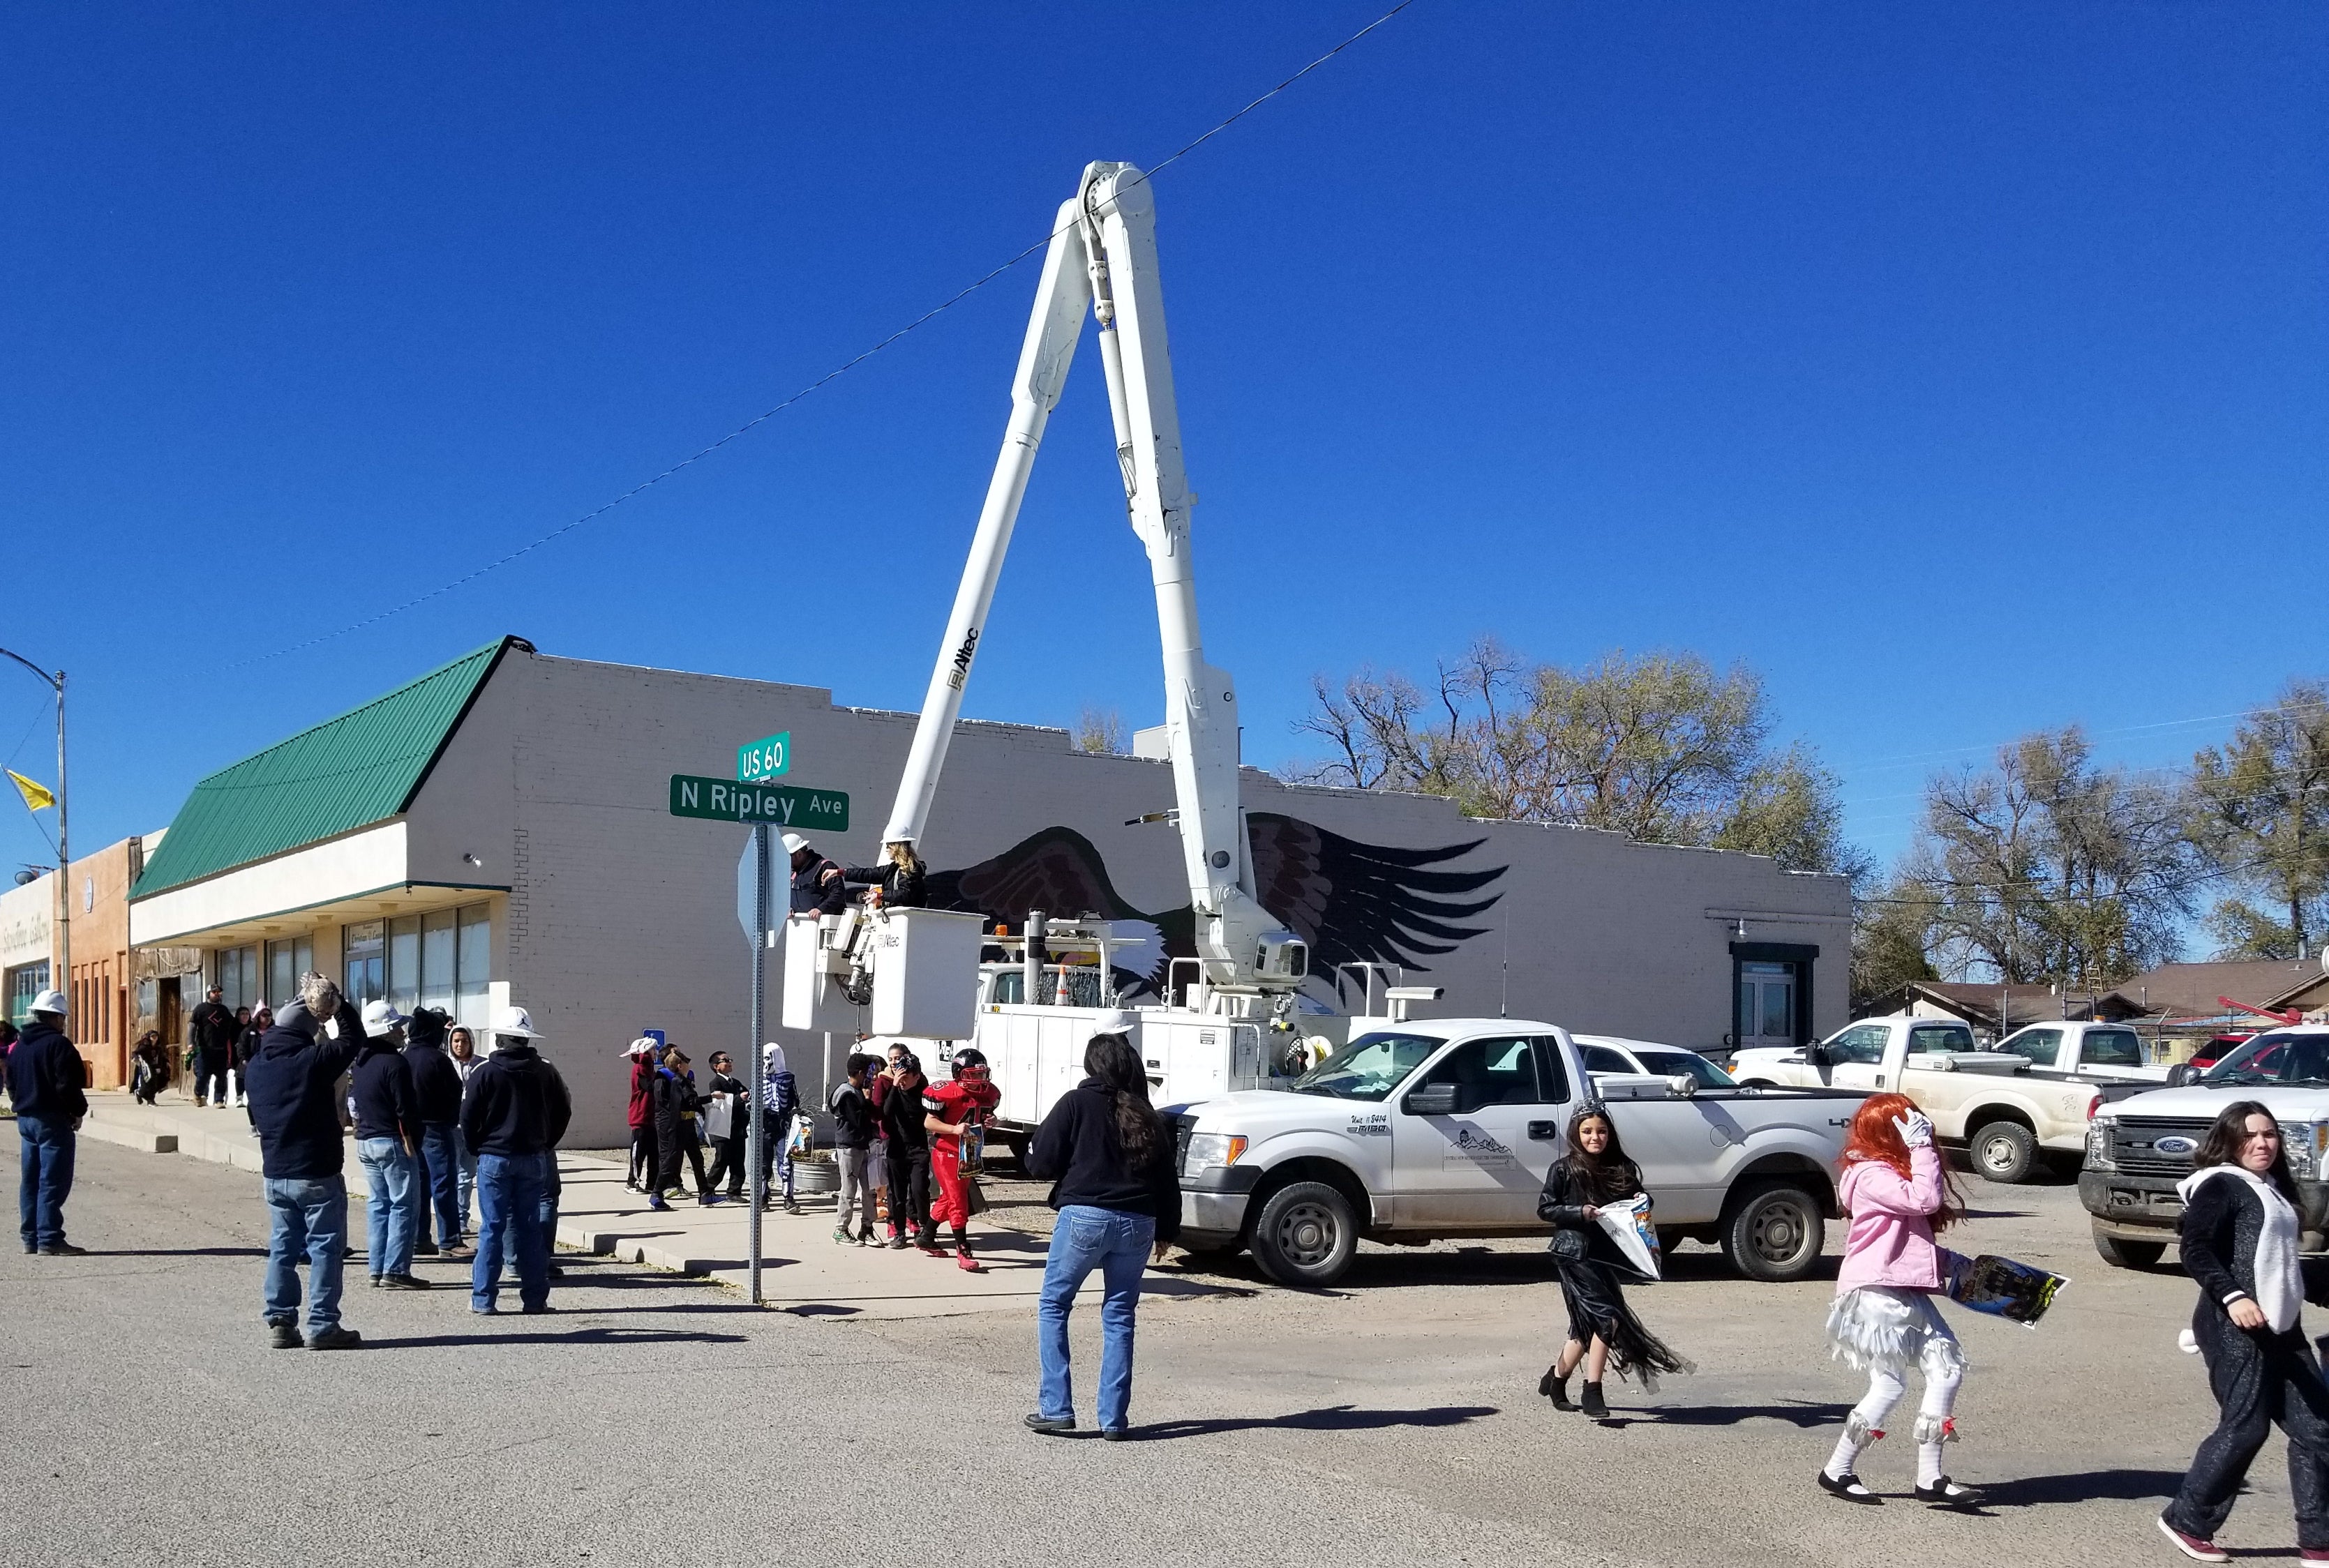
[1103, 255]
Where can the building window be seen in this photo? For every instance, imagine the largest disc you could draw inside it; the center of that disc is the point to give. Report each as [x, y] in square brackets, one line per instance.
[404, 963]
[437, 950]
[238, 977]
[25, 983]
[474, 938]
[365, 949]
[286, 962]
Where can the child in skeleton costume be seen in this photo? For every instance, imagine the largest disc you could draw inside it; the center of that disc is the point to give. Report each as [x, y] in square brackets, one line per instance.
[1602, 1328]
[1883, 1321]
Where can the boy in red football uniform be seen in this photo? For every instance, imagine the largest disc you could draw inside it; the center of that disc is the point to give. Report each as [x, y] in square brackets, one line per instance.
[948, 1110]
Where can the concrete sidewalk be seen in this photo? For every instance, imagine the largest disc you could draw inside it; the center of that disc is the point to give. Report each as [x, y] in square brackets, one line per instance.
[802, 1269]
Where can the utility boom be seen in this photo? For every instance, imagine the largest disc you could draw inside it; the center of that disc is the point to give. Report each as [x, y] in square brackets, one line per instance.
[1103, 256]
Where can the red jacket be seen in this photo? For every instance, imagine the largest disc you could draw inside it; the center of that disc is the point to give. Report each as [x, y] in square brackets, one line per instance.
[643, 1092]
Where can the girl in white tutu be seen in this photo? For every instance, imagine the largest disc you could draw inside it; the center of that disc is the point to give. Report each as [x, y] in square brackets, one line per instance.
[1883, 1321]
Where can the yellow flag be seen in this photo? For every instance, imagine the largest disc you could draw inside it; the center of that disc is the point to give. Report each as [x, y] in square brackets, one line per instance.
[36, 797]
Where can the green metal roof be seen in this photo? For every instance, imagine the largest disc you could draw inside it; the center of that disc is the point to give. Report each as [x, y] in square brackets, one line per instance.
[346, 773]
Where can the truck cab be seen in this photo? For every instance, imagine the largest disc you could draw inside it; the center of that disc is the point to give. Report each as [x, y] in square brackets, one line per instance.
[2094, 1050]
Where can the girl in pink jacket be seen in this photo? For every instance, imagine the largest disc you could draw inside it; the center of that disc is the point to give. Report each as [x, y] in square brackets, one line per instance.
[1883, 1321]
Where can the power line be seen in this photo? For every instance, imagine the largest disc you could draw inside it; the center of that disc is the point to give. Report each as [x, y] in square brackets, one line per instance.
[830, 376]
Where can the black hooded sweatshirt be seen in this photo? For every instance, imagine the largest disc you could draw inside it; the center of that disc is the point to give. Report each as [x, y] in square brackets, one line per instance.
[516, 1104]
[436, 1080]
[1079, 1151]
[386, 1106]
[293, 1080]
[44, 1074]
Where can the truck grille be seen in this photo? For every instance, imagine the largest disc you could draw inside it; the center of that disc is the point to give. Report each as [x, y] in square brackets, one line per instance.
[2135, 1144]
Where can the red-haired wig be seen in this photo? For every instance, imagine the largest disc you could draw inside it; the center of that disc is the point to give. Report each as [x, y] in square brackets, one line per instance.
[1874, 1136]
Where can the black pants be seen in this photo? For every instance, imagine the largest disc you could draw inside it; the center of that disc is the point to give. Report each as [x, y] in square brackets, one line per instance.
[2257, 1378]
[910, 1190]
[728, 1159]
[210, 1075]
[673, 1143]
[645, 1163]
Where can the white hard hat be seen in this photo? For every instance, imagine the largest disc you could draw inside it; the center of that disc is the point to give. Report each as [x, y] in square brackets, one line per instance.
[378, 1017]
[1117, 1022]
[50, 1001]
[794, 844]
[515, 1020]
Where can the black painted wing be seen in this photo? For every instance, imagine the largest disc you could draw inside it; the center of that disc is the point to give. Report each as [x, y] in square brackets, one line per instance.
[1355, 901]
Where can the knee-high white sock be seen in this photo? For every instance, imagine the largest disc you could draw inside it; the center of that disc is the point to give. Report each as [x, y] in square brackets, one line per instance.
[1935, 1426]
[1865, 1424]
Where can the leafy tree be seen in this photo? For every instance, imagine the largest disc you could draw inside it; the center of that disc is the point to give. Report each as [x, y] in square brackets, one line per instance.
[2260, 811]
[1101, 732]
[1661, 748]
[1892, 939]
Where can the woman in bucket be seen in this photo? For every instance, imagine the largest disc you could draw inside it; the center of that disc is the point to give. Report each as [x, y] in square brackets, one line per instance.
[2237, 1239]
[1110, 1160]
[1602, 1329]
[1884, 1322]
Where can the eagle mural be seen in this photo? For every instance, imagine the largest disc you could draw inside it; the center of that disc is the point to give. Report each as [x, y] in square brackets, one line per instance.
[1350, 901]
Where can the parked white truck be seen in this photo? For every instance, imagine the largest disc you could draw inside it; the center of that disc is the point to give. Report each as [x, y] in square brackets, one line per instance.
[1446, 1127]
[2139, 1147]
[2012, 1116]
[2092, 1050]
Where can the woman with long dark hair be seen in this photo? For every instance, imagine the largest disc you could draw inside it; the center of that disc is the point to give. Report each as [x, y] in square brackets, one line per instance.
[1883, 1321]
[906, 1142]
[2237, 1239]
[1594, 1174]
[1110, 1160]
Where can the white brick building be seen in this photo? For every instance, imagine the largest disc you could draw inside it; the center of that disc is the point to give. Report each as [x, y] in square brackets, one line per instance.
[498, 830]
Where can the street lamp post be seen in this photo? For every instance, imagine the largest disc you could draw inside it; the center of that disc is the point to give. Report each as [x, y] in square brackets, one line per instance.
[63, 980]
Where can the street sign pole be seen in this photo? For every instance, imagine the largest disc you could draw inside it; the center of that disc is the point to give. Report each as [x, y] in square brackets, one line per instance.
[758, 1057]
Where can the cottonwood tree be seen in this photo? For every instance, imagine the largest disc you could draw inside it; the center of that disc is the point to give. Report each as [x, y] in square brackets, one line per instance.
[2259, 811]
[2045, 867]
[1101, 731]
[1892, 939]
[1660, 746]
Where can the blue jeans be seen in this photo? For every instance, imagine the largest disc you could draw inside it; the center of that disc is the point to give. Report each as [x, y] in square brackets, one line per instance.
[1115, 1243]
[44, 1176]
[394, 1213]
[310, 1217]
[510, 1199]
[441, 1144]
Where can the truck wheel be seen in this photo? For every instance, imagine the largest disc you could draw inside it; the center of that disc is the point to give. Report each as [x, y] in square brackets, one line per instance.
[1305, 1235]
[1774, 1233]
[2121, 1254]
[2005, 1151]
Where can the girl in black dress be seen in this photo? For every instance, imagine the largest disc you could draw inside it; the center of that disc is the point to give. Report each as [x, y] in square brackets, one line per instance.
[1603, 1331]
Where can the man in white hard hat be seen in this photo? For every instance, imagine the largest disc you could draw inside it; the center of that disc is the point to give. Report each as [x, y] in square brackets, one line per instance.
[45, 1081]
[513, 1115]
[387, 1140]
[819, 886]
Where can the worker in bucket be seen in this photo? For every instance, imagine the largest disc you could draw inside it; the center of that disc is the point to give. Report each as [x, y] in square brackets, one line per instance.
[819, 885]
[897, 881]
[956, 1115]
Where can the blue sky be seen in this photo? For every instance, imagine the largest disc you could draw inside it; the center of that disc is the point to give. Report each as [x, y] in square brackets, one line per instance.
[1958, 368]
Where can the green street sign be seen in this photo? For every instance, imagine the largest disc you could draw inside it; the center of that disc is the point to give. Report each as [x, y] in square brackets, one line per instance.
[765, 759]
[723, 799]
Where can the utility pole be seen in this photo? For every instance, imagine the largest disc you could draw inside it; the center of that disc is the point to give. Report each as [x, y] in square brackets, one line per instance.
[62, 980]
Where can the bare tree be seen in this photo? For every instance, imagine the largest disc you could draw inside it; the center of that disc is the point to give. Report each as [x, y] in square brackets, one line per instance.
[2260, 813]
[1101, 732]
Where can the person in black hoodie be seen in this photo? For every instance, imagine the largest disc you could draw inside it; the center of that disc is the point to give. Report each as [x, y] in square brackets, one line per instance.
[387, 1141]
[676, 1101]
[294, 1083]
[818, 886]
[211, 1029]
[513, 1115]
[437, 1095]
[1110, 1160]
[906, 1141]
[45, 1082]
[853, 1141]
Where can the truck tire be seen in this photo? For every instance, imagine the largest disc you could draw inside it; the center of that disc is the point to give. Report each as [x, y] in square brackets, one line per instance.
[2004, 1151]
[1774, 1232]
[2122, 1253]
[1305, 1235]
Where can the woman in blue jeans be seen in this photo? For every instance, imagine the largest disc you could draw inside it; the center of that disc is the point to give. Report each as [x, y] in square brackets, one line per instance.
[1110, 1160]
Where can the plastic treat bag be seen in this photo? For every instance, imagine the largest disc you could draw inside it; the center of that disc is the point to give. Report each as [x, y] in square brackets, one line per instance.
[2017, 1292]
[1628, 1225]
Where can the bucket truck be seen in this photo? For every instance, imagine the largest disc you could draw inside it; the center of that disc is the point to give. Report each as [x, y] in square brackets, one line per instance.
[918, 971]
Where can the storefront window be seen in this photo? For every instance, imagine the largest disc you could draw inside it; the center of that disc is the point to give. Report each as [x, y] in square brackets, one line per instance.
[286, 962]
[365, 949]
[436, 961]
[238, 977]
[474, 939]
[404, 963]
[25, 982]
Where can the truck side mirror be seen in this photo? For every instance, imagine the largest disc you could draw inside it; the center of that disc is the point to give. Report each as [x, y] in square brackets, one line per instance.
[1431, 1100]
[1819, 1056]
[2181, 1074]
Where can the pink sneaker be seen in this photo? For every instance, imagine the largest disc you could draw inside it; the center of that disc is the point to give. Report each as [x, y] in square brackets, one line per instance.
[2193, 1546]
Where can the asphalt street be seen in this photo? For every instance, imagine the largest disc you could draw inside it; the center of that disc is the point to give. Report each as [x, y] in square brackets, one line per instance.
[1392, 1421]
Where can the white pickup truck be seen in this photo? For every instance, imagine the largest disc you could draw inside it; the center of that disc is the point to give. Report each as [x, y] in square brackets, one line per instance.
[2013, 1116]
[2090, 1050]
[1446, 1128]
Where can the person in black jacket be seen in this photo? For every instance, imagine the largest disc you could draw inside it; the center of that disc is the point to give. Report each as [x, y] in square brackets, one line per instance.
[293, 1084]
[388, 1144]
[2238, 1238]
[45, 1081]
[1110, 1160]
[1602, 1329]
[897, 880]
[245, 1049]
[728, 1150]
[150, 1074]
[676, 1101]
[212, 1030]
[436, 1098]
[906, 1144]
[819, 887]
[853, 1141]
[513, 1115]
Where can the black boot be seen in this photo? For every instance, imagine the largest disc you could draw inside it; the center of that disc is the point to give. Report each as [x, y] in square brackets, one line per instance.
[1592, 1404]
[1555, 1387]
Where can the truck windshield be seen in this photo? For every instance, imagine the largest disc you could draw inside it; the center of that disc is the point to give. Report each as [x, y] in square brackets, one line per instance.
[1370, 1067]
[2275, 1058]
[1680, 1064]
